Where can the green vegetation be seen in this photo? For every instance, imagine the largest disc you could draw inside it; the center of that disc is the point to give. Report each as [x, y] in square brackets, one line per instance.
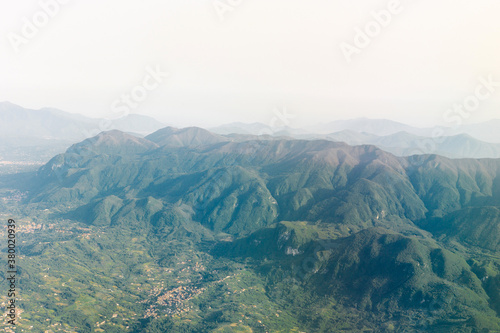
[184, 231]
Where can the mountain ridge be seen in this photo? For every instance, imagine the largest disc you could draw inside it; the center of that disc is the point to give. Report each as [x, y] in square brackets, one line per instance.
[338, 237]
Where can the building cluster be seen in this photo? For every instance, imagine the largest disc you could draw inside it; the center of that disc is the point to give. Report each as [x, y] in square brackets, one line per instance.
[172, 302]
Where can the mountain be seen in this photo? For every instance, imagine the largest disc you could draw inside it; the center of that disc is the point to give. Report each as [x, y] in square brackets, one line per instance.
[112, 143]
[473, 226]
[258, 129]
[372, 269]
[289, 179]
[47, 123]
[29, 138]
[187, 230]
[16, 121]
[350, 137]
[186, 137]
[137, 124]
[406, 144]
[464, 145]
[394, 137]
[486, 131]
[380, 127]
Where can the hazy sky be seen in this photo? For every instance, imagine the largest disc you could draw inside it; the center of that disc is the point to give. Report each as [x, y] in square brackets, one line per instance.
[242, 60]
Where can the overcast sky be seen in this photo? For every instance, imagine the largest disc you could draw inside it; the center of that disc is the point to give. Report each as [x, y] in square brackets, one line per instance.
[242, 60]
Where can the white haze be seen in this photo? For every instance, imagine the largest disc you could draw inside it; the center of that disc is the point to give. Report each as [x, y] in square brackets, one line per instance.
[265, 58]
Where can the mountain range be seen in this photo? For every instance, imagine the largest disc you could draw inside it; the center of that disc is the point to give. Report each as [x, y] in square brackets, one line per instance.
[484, 131]
[29, 138]
[358, 226]
[406, 144]
[339, 237]
[52, 124]
[391, 136]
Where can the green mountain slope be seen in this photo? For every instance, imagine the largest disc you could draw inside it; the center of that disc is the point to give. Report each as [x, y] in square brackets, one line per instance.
[338, 237]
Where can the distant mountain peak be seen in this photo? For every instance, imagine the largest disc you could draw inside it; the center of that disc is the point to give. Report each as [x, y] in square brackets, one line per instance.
[115, 142]
[52, 123]
[185, 137]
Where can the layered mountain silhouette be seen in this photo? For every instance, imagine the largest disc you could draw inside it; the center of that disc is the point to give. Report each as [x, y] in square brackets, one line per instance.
[29, 137]
[406, 144]
[396, 227]
[330, 228]
[49, 123]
